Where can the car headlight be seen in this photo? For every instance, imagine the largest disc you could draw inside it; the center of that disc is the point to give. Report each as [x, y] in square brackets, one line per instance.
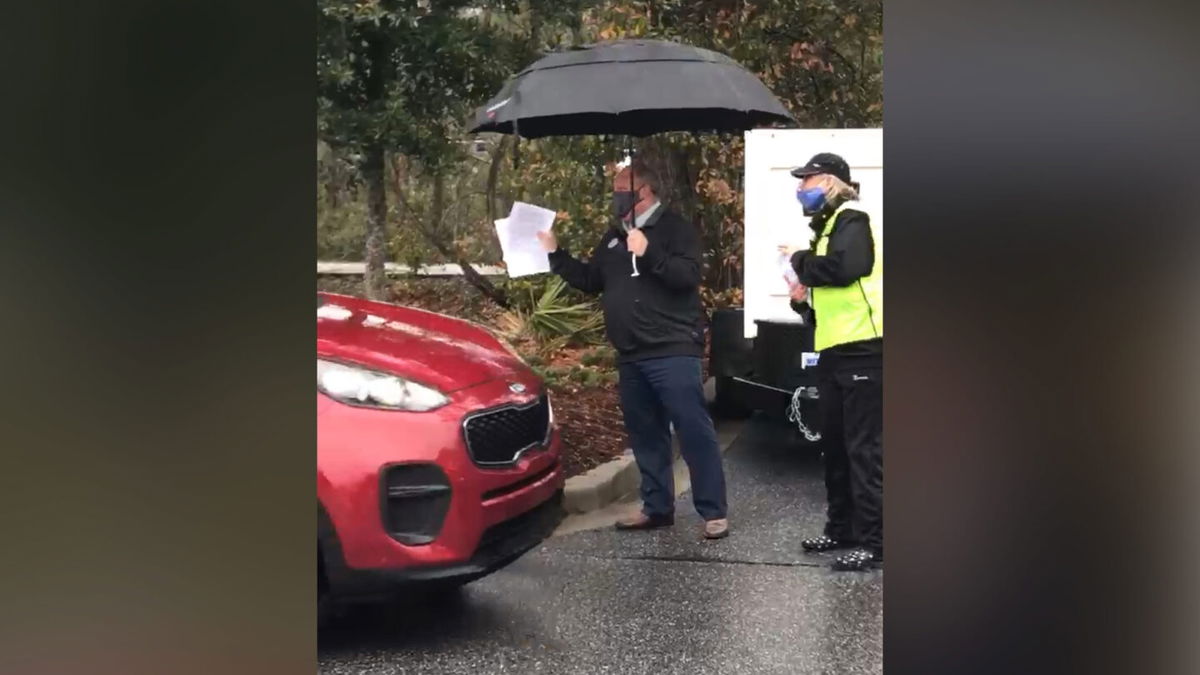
[359, 386]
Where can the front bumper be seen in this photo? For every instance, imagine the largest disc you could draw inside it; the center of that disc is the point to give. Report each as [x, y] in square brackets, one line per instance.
[500, 545]
[494, 514]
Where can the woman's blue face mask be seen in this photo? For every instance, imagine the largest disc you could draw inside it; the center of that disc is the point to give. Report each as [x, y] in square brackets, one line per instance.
[812, 199]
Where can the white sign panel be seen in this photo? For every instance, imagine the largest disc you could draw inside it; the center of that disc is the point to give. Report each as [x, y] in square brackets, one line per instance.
[774, 217]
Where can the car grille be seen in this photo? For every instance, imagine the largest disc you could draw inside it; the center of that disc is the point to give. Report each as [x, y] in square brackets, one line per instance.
[499, 436]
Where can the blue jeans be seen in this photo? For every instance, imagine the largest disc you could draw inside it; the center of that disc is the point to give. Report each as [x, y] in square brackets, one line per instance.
[656, 393]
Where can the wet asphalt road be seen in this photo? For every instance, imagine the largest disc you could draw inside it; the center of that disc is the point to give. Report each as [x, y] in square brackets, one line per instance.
[649, 602]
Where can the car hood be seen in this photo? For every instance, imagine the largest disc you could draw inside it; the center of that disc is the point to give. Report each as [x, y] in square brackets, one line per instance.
[434, 349]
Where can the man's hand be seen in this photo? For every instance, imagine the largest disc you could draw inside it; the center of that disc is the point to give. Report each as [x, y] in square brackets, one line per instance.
[798, 292]
[636, 241]
[549, 241]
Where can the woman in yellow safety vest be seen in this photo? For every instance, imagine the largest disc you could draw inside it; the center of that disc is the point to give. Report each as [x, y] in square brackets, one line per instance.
[841, 277]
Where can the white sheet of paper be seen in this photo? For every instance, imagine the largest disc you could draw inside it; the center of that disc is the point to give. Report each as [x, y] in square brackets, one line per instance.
[522, 256]
[526, 220]
[785, 266]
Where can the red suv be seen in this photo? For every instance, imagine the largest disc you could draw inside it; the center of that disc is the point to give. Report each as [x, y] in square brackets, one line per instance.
[437, 451]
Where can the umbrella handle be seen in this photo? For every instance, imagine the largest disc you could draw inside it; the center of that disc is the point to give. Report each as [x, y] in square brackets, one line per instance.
[632, 216]
[515, 102]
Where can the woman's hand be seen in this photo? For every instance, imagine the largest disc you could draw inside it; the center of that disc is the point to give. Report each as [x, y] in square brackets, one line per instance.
[790, 249]
[797, 292]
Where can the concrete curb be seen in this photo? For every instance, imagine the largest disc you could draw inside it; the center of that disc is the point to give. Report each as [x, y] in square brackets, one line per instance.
[619, 484]
[602, 485]
[619, 478]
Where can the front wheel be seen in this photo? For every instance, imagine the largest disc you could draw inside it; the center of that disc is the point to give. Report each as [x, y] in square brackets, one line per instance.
[324, 597]
[442, 590]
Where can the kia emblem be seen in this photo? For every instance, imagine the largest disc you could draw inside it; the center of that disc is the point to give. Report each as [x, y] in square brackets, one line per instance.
[516, 387]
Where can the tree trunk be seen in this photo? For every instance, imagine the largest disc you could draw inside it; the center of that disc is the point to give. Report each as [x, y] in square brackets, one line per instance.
[684, 184]
[332, 190]
[494, 175]
[484, 286]
[434, 234]
[376, 249]
[439, 199]
[516, 165]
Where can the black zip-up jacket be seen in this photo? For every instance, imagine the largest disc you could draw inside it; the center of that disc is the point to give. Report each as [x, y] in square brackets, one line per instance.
[848, 258]
[657, 313]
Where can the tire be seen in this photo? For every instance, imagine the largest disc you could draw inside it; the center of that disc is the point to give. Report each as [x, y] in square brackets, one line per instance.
[447, 590]
[325, 609]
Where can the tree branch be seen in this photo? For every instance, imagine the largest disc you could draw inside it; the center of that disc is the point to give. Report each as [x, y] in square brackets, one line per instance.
[448, 251]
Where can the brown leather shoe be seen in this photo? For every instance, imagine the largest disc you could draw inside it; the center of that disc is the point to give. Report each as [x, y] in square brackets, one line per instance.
[716, 529]
[641, 521]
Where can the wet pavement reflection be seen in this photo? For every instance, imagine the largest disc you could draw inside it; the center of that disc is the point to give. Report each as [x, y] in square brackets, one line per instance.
[648, 602]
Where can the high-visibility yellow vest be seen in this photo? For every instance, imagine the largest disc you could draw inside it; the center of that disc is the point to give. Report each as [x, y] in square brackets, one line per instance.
[848, 313]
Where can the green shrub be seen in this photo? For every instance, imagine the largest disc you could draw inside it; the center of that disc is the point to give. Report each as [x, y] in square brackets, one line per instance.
[554, 375]
[549, 314]
[554, 315]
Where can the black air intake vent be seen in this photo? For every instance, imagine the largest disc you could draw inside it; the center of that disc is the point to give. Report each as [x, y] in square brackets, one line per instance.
[415, 500]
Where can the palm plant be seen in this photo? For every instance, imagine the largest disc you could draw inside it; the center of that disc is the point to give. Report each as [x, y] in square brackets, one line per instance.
[552, 318]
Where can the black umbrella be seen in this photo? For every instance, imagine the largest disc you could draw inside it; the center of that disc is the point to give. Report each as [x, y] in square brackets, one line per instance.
[633, 88]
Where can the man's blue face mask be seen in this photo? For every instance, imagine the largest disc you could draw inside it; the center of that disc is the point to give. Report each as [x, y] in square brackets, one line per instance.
[812, 199]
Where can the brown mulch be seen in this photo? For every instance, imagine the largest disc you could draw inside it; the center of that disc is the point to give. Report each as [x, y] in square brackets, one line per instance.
[593, 431]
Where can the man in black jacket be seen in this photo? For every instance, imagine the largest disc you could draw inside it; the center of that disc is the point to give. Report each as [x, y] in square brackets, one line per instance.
[647, 271]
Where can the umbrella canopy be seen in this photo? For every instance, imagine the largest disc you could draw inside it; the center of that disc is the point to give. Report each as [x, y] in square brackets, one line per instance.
[634, 88]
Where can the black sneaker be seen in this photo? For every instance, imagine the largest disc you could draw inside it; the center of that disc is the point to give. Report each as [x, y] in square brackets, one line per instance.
[858, 560]
[823, 543]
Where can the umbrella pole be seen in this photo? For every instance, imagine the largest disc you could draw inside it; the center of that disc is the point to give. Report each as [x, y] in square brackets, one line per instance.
[516, 146]
[516, 97]
[629, 152]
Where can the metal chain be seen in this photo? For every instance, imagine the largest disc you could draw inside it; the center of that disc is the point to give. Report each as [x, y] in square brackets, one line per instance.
[794, 412]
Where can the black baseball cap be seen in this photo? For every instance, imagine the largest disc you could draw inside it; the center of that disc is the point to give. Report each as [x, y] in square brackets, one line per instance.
[824, 162]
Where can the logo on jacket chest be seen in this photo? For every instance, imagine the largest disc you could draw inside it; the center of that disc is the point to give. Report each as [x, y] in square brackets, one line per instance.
[613, 243]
